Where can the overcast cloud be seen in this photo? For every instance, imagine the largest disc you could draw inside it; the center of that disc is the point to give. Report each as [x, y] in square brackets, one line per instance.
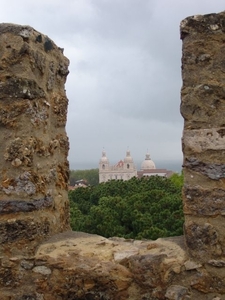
[125, 72]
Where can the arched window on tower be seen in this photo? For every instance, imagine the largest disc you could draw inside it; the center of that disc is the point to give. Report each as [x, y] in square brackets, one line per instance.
[128, 166]
[103, 167]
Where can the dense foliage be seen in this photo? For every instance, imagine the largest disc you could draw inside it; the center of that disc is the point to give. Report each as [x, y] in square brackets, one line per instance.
[149, 207]
[91, 176]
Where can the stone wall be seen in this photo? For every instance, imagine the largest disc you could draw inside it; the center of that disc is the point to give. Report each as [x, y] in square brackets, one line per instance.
[39, 258]
[203, 110]
[33, 143]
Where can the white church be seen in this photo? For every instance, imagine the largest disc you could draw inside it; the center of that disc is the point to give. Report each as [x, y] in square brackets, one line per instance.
[125, 169]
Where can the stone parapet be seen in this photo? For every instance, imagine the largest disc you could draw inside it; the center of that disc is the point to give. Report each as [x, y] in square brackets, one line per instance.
[203, 109]
[40, 259]
[33, 142]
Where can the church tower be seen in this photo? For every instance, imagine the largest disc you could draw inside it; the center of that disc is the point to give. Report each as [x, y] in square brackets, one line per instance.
[103, 167]
[128, 161]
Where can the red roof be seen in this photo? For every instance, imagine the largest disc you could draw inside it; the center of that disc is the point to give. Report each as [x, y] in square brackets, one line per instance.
[120, 164]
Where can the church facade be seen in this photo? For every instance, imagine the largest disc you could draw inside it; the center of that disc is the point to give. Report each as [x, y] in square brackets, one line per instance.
[125, 169]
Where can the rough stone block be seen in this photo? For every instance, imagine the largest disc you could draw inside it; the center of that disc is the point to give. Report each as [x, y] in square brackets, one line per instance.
[203, 143]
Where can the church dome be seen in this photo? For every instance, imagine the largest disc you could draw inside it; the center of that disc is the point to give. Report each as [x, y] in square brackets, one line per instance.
[147, 164]
[128, 158]
[104, 158]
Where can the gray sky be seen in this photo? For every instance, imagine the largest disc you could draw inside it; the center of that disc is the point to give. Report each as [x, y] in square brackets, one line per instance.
[125, 72]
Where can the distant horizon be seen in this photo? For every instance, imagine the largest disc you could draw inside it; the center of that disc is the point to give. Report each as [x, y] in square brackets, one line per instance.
[175, 166]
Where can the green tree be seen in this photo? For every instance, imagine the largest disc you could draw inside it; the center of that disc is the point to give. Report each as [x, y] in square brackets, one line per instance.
[91, 176]
[178, 179]
[138, 208]
[76, 218]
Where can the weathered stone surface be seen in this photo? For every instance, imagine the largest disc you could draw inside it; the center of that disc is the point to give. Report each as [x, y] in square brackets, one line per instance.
[42, 270]
[34, 146]
[212, 170]
[10, 206]
[92, 266]
[203, 142]
[176, 292]
[217, 263]
[74, 265]
[191, 265]
[23, 229]
[203, 239]
[194, 109]
[205, 202]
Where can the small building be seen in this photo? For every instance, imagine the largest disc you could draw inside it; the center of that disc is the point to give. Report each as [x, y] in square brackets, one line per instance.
[78, 183]
[148, 168]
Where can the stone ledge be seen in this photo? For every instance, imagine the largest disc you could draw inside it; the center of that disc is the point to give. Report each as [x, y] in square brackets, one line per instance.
[76, 265]
[112, 267]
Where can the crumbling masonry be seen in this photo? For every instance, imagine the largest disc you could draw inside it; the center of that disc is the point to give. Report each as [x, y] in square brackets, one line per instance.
[203, 110]
[40, 257]
[33, 142]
